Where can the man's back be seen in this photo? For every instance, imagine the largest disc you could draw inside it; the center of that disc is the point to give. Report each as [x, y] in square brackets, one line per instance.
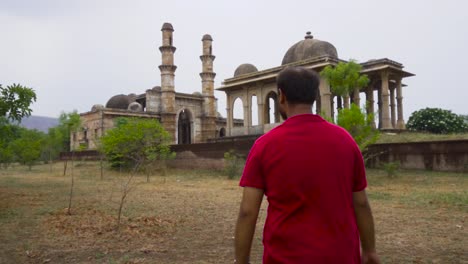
[308, 170]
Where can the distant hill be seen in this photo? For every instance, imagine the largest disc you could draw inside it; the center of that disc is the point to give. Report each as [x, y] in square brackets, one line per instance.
[40, 123]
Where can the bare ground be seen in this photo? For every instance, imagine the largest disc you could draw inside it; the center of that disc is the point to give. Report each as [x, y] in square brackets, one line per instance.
[189, 217]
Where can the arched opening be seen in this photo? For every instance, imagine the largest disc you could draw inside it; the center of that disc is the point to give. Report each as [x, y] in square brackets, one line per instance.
[184, 129]
[222, 132]
[254, 110]
[238, 113]
[271, 108]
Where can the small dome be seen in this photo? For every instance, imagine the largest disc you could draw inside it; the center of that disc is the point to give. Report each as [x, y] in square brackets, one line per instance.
[197, 93]
[244, 69]
[97, 107]
[207, 37]
[167, 26]
[132, 97]
[135, 107]
[309, 48]
[157, 88]
[120, 101]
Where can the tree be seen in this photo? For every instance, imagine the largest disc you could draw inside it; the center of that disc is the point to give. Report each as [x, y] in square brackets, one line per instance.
[15, 101]
[27, 148]
[343, 79]
[68, 123]
[436, 120]
[8, 133]
[136, 141]
[359, 125]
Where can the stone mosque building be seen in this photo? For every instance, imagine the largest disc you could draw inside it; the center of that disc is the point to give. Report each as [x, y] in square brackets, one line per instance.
[193, 118]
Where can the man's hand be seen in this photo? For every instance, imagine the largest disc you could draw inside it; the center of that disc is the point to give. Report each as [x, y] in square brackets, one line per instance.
[370, 258]
[245, 228]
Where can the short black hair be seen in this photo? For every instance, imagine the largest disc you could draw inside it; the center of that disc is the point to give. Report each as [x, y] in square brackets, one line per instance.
[298, 84]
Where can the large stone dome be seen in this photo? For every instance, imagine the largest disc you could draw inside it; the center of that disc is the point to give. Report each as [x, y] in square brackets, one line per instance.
[244, 69]
[120, 101]
[309, 48]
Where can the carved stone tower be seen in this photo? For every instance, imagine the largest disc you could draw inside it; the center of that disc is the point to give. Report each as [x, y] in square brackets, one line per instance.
[209, 101]
[167, 68]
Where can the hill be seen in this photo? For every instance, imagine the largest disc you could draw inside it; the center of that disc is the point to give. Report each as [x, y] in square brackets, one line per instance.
[40, 123]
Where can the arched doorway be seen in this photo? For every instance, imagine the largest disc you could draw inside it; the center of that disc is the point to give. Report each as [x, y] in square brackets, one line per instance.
[184, 128]
[222, 132]
[271, 108]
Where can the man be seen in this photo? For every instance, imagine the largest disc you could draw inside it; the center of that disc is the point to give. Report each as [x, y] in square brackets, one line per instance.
[313, 176]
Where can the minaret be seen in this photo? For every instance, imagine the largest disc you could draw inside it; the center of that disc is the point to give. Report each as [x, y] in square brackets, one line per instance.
[167, 69]
[209, 101]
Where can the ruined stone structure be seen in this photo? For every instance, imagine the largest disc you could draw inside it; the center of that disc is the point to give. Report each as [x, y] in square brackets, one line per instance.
[189, 118]
[248, 83]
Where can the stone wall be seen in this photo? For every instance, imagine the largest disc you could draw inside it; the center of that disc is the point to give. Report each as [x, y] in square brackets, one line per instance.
[450, 155]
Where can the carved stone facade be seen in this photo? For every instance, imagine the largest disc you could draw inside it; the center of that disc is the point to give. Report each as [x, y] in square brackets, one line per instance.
[385, 81]
[189, 118]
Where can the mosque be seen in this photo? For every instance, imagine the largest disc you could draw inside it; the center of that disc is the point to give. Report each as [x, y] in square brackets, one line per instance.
[193, 118]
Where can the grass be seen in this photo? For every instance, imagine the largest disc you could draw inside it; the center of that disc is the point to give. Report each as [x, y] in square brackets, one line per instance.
[189, 217]
[407, 136]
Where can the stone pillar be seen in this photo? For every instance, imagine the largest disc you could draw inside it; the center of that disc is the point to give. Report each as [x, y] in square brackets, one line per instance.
[356, 98]
[260, 107]
[167, 69]
[326, 104]
[370, 103]
[386, 124]
[209, 101]
[229, 116]
[318, 104]
[392, 106]
[399, 97]
[247, 122]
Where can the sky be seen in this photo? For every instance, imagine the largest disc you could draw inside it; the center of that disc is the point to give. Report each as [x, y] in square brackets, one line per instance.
[78, 53]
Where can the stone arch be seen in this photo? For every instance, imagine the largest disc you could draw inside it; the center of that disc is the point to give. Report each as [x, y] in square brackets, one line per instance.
[222, 132]
[237, 110]
[271, 111]
[184, 126]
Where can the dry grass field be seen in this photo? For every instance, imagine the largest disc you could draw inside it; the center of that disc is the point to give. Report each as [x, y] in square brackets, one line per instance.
[189, 216]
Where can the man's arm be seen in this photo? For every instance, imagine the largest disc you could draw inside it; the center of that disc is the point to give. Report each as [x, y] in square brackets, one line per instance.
[365, 223]
[246, 222]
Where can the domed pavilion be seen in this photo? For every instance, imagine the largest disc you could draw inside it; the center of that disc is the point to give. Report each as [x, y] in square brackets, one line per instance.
[257, 89]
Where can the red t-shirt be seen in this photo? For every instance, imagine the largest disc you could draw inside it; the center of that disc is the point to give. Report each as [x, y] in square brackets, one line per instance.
[308, 169]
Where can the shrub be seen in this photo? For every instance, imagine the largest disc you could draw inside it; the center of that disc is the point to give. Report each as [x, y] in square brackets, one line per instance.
[436, 120]
[233, 164]
[359, 125]
[391, 168]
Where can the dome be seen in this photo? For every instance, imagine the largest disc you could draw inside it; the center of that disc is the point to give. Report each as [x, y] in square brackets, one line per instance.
[135, 107]
[197, 93]
[207, 37]
[244, 69]
[309, 48]
[97, 107]
[120, 101]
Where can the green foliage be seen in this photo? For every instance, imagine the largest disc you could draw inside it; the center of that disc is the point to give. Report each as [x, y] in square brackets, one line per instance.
[15, 101]
[344, 77]
[359, 125]
[8, 133]
[436, 120]
[136, 142]
[233, 164]
[27, 148]
[391, 168]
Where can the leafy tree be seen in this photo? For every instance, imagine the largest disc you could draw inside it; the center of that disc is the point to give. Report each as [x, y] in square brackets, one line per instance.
[135, 142]
[15, 101]
[68, 123]
[27, 148]
[344, 78]
[8, 133]
[359, 125]
[436, 120]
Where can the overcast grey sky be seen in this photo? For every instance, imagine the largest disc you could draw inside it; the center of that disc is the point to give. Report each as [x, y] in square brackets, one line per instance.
[79, 53]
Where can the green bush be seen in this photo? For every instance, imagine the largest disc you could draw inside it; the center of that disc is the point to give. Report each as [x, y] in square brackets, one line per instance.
[359, 125]
[233, 164]
[436, 120]
[391, 168]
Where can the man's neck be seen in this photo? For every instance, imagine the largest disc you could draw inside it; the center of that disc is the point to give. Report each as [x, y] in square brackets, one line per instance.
[298, 109]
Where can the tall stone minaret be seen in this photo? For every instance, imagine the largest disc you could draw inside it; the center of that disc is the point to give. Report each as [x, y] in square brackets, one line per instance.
[209, 101]
[167, 69]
